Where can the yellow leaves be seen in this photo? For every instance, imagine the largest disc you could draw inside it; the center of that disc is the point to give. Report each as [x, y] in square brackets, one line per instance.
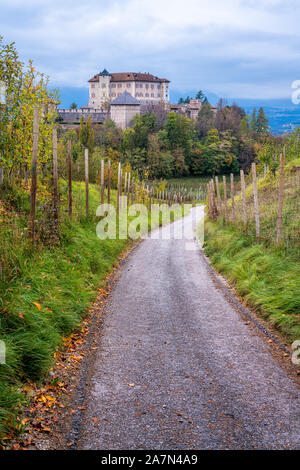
[47, 400]
[37, 305]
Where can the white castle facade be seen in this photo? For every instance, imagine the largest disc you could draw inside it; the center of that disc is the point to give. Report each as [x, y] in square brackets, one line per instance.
[144, 87]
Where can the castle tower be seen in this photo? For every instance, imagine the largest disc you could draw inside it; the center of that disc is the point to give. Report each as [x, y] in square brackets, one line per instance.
[123, 109]
[100, 90]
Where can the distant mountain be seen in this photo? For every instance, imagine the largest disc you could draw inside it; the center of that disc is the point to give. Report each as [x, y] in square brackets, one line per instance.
[283, 115]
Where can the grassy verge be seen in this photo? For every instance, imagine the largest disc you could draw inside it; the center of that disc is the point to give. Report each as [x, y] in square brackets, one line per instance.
[45, 291]
[266, 277]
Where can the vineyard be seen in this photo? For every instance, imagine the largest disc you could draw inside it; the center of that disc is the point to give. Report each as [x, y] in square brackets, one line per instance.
[252, 236]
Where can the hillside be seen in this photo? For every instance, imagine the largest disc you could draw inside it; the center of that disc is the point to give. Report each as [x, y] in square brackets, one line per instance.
[264, 272]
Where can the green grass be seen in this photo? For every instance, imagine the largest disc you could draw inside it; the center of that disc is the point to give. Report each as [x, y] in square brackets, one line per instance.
[62, 280]
[45, 291]
[266, 277]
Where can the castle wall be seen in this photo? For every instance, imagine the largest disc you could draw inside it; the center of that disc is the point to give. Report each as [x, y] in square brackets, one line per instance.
[122, 115]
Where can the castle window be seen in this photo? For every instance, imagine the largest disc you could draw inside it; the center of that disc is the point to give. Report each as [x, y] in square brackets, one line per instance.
[147, 86]
[152, 86]
[146, 94]
[158, 86]
[119, 85]
[93, 95]
[152, 94]
[158, 95]
[128, 85]
[103, 85]
[93, 85]
[113, 85]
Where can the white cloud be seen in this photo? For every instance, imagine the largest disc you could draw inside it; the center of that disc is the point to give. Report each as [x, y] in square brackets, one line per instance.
[217, 41]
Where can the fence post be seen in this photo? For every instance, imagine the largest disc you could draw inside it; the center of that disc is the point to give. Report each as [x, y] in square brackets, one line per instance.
[128, 186]
[218, 193]
[213, 199]
[244, 197]
[280, 198]
[121, 187]
[125, 183]
[35, 144]
[86, 171]
[255, 195]
[108, 181]
[225, 199]
[118, 187]
[209, 200]
[102, 181]
[232, 198]
[55, 176]
[70, 200]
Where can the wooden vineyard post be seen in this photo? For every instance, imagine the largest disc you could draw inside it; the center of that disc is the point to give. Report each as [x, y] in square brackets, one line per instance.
[86, 172]
[108, 181]
[121, 187]
[55, 177]
[209, 200]
[35, 144]
[118, 187]
[70, 200]
[128, 187]
[255, 195]
[102, 181]
[225, 199]
[244, 197]
[132, 191]
[280, 198]
[218, 194]
[232, 198]
[125, 184]
[214, 203]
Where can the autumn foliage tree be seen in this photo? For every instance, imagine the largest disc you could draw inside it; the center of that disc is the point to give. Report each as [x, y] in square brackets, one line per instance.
[25, 89]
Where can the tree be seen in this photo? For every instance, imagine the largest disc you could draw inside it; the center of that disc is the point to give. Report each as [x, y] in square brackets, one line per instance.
[86, 133]
[73, 105]
[262, 122]
[205, 121]
[201, 96]
[253, 120]
[25, 89]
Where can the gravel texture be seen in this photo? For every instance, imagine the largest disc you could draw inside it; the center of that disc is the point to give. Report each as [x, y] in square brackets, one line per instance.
[177, 367]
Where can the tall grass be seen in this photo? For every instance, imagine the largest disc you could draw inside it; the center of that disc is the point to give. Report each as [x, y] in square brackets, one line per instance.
[45, 291]
[266, 277]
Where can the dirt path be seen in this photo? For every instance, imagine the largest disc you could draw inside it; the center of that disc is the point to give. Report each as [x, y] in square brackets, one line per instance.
[178, 368]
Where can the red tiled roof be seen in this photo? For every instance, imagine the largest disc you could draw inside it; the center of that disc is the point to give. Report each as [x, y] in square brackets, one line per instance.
[131, 76]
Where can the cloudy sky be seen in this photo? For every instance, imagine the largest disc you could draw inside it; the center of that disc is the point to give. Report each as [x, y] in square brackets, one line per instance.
[233, 48]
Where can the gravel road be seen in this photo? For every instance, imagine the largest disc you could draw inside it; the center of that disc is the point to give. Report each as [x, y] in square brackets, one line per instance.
[178, 368]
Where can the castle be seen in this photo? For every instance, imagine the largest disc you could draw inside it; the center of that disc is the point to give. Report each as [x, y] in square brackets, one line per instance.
[120, 96]
[144, 87]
